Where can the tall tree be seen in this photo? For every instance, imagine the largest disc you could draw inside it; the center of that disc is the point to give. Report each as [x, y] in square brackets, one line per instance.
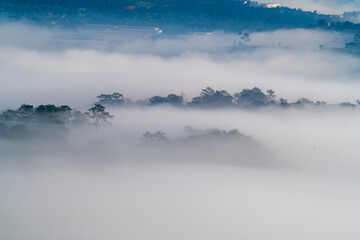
[98, 114]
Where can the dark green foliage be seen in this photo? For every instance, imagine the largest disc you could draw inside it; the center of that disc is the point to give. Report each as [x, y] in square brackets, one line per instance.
[50, 108]
[98, 115]
[26, 112]
[26, 108]
[43, 113]
[111, 99]
[304, 101]
[45, 120]
[247, 98]
[198, 15]
[283, 102]
[53, 114]
[213, 98]
[253, 97]
[172, 99]
[271, 95]
[9, 115]
[344, 26]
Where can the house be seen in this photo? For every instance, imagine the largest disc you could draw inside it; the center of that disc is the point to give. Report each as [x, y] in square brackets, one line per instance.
[272, 5]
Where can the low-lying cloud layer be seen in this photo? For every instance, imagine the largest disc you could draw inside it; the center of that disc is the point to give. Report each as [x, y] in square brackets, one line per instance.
[294, 68]
[301, 182]
[286, 173]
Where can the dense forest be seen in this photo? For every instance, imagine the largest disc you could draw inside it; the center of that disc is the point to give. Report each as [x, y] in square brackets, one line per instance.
[171, 15]
[48, 120]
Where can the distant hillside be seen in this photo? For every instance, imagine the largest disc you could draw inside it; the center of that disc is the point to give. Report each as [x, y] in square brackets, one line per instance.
[200, 15]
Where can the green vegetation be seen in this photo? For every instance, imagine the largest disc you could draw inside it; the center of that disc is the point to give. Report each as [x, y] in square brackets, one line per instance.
[48, 120]
[246, 98]
[171, 15]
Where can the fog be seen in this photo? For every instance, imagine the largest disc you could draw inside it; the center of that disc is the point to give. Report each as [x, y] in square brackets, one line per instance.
[61, 73]
[286, 173]
[302, 180]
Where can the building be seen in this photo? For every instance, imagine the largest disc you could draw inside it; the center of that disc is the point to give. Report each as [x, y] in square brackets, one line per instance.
[272, 5]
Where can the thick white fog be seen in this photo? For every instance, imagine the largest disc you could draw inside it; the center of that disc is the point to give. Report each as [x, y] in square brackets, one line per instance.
[290, 173]
[291, 65]
[304, 184]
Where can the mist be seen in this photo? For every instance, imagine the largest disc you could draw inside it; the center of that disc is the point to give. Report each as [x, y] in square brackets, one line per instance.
[164, 172]
[294, 68]
[297, 177]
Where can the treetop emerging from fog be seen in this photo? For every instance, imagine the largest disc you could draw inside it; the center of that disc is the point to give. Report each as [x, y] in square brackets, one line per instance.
[210, 98]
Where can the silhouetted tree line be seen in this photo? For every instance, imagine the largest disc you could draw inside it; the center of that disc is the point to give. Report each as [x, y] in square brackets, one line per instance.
[28, 120]
[42, 120]
[211, 98]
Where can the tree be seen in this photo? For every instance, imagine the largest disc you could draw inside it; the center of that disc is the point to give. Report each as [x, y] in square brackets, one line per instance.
[156, 137]
[283, 102]
[172, 99]
[213, 98]
[79, 118]
[271, 94]
[53, 114]
[98, 115]
[320, 103]
[175, 99]
[111, 99]
[157, 100]
[26, 108]
[253, 97]
[304, 101]
[243, 38]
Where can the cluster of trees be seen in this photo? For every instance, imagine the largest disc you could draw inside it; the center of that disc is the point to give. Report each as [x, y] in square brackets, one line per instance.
[172, 99]
[28, 120]
[211, 98]
[159, 137]
[111, 99]
[156, 137]
[246, 98]
[208, 145]
[199, 15]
